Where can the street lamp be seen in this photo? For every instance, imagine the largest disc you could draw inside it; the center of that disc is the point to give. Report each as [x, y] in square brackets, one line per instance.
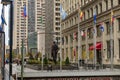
[3, 51]
[6, 2]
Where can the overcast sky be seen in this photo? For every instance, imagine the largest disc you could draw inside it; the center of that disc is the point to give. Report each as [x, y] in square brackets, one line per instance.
[6, 13]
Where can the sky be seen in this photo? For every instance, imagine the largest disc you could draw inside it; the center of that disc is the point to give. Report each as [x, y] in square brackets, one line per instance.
[6, 14]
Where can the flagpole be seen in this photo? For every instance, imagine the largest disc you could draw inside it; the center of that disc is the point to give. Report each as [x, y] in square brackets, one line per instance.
[60, 40]
[94, 39]
[79, 38]
[3, 51]
[111, 41]
[61, 49]
[11, 39]
[102, 47]
[23, 39]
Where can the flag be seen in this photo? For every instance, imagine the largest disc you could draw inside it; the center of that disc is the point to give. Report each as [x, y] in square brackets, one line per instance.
[101, 27]
[94, 17]
[2, 18]
[81, 15]
[63, 13]
[24, 11]
[112, 17]
[75, 35]
[82, 33]
[1, 30]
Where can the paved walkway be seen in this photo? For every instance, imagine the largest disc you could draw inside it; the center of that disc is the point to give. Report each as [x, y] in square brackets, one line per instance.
[0, 75]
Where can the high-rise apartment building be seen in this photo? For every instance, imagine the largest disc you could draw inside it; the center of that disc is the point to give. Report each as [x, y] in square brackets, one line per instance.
[31, 16]
[40, 24]
[20, 25]
[32, 35]
[52, 24]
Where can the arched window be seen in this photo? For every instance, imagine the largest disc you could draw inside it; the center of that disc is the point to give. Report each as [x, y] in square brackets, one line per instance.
[84, 16]
[111, 3]
[96, 9]
[88, 13]
[91, 12]
[100, 7]
[118, 1]
[106, 2]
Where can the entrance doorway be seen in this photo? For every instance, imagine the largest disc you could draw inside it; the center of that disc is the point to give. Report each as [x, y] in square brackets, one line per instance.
[99, 56]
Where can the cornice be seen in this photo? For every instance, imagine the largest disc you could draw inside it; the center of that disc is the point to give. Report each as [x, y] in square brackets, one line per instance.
[88, 4]
[103, 14]
[72, 28]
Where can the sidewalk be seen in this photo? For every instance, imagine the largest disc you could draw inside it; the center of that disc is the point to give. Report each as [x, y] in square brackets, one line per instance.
[0, 76]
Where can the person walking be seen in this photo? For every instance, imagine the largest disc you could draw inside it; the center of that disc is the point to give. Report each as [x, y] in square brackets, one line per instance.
[54, 51]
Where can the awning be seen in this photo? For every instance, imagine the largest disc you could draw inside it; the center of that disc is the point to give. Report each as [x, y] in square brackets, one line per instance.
[98, 46]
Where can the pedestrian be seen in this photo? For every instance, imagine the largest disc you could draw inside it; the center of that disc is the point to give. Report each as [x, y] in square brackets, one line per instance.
[54, 51]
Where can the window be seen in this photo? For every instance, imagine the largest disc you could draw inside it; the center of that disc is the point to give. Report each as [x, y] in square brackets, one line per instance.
[118, 1]
[96, 9]
[66, 39]
[90, 33]
[83, 34]
[71, 38]
[88, 13]
[111, 3]
[84, 16]
[91, 12]
[98, 31]
[106, 2]
[108, 27]
[119, 24]
[108, 50]
[100, 7]
[83, 51]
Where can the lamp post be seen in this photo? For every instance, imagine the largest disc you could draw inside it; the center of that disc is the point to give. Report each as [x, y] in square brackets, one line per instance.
[6, 2]
[3, 52]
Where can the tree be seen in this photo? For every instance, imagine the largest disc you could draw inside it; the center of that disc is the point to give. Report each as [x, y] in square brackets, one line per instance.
[67, 61]
[31, 56]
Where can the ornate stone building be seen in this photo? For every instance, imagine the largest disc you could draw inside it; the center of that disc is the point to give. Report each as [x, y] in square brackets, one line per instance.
[104, 53]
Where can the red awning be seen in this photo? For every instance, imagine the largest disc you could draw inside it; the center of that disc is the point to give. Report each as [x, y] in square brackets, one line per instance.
[98, 46]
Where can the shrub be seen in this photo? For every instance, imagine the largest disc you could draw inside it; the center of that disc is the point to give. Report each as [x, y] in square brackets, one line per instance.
[33, 62]
[67, 61]
[45, 60]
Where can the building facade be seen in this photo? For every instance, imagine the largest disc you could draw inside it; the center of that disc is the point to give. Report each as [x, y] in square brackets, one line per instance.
[32, 35]
[105, 54]
[52, 24]
[20, 26]
[31, 16]
[40, 25]
[69, 27]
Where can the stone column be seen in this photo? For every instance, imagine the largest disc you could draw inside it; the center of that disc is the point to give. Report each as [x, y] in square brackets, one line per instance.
[41, 40]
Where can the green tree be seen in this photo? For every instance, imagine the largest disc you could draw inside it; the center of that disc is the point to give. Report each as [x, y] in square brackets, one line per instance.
[45, 60]
[67, 62]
